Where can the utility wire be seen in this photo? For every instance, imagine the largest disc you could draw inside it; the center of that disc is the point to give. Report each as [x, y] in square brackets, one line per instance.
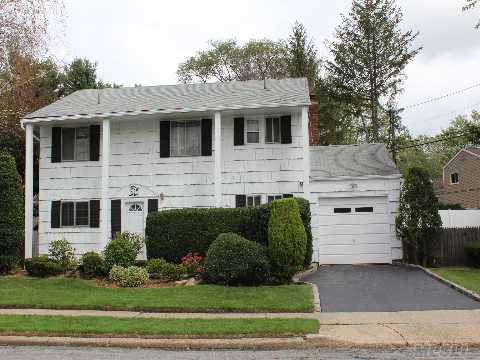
[433, 141]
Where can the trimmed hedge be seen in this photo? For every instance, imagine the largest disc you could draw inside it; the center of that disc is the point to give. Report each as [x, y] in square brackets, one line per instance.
[171, 234]
[234, 260]
[42, 266]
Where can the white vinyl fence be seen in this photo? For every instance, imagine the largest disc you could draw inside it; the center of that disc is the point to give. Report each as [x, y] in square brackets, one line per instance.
[460, 218]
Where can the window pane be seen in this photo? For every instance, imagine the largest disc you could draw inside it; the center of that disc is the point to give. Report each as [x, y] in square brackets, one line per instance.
[250, 201]
[67, 213]
[253, 132]
[252, 125]
[258, 200]
[268, 130]
[364, 209]
[253, 137]
[68, 144]
[83, 144]
[81, 213]
[192, 135]
[177, 138]
[276, 130]
[342, 210]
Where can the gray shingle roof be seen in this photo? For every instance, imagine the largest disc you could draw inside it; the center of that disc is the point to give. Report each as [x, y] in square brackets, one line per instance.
[178, 98]
[350, 161]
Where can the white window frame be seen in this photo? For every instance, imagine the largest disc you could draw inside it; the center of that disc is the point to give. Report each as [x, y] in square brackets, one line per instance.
[273, 132]
[253, 197]
[75, 144]
[75, 213]
[184, 121]
[275, 197]
[451, 178]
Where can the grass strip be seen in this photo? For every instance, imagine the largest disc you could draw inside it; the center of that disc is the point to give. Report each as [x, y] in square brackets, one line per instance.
[72, 293]
[468, 278]
[136, 327]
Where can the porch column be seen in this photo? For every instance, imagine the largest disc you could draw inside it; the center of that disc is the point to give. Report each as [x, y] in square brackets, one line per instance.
[306, 153]
[218, 160]
[104, 226]
[28, 190]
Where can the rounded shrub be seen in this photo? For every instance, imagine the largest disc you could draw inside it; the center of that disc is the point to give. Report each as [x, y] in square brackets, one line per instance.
[132, 276]
[287, 239]
[42, 266]
[161, 269]
[11, 210]
[234, 260]
[63, 253]
[473, 252]
[93, 264]
[123, 249]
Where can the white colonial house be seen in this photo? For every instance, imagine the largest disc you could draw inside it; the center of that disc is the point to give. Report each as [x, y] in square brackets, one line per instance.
[109, 157]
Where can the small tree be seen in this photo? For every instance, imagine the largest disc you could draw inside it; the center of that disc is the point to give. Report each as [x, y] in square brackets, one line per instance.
[11, 208]
[287, 239]
[418, 221]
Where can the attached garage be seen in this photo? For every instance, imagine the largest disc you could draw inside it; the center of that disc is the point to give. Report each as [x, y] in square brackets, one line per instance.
[354, 193]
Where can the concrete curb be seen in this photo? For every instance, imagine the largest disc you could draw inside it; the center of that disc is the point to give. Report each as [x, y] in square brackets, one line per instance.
[471, 294]
[316, 296]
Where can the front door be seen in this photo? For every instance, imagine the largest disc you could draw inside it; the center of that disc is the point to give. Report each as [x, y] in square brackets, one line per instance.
[134, 222]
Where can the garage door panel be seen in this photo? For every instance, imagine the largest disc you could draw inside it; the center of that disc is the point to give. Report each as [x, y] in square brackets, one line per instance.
[328, 209]
[358, 249]
[348, 239]
[351, 219]
[380, 200]
[321, 230]
[354, 259]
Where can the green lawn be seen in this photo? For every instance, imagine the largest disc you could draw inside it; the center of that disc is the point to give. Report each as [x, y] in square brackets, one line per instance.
[65, 293]
[467, 277]
[92, 325]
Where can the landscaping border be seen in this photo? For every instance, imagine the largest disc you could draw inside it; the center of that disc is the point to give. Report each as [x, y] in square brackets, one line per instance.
[317, 308]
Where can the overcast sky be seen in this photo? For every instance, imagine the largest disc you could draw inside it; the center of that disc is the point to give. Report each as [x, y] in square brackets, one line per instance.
[144, 41]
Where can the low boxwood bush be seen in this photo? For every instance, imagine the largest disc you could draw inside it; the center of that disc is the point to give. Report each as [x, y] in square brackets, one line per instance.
[132, 276]
[122, 250]
[42, 266]
[63, 253]
[287, 239]
[93, 265]
[161, 269]
[234, 260]
[7, 263]
[171, 234]
[473, 252]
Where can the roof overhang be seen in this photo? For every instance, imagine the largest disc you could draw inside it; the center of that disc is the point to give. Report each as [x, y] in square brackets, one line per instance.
[362, 177]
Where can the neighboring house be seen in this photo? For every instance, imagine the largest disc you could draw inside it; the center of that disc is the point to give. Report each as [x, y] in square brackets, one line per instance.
[132, 151]
[460, 183]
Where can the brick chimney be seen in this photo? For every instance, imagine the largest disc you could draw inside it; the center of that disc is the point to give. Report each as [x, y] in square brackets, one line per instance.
[313, 129]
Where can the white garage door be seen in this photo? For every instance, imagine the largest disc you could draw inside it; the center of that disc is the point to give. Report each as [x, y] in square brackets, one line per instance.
[352, 230]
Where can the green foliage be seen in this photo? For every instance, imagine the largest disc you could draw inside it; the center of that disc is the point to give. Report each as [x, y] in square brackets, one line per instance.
[42, 266]
[123, 249]
[171, 234]
[11, 208]
[63, 253]
[287, 239]
[473, 252]
[132, 276]
[418, 221]
[93, 265]
[7, 263]
[234, 260]
[161, 269]
[450, 206]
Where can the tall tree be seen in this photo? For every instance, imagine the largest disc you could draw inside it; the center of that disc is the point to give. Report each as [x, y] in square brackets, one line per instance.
[369, 55]
[302, 53]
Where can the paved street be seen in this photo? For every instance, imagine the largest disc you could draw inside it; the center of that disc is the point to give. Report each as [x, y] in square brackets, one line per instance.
[60, 353]
[379, 288]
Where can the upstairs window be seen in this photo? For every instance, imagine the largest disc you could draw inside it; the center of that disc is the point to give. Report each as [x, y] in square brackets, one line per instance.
[272, 130]
[454, 178]
[185, 138]
[253, 132]
[75, 144]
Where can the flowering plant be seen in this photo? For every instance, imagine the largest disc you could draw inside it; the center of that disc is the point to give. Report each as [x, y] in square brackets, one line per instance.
[193, 263]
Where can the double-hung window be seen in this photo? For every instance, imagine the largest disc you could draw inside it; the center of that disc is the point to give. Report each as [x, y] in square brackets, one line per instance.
[454, 178]
[253, 132]
[75, 144]
[74, 213]
[272, 130]
[254, 200]
[185, 138]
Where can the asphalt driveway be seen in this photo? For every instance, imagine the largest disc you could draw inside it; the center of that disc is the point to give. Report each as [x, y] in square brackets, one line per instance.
[384, 288]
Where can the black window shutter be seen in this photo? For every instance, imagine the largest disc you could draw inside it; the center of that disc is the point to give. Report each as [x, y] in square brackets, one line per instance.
[164, 138]
[152, 205]
[240, 201]
[94, 142]
[286, 129]
[55, 215]
[116, 217]
[94, 213]
[238, 131]
[56, 144]
[207, 137]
